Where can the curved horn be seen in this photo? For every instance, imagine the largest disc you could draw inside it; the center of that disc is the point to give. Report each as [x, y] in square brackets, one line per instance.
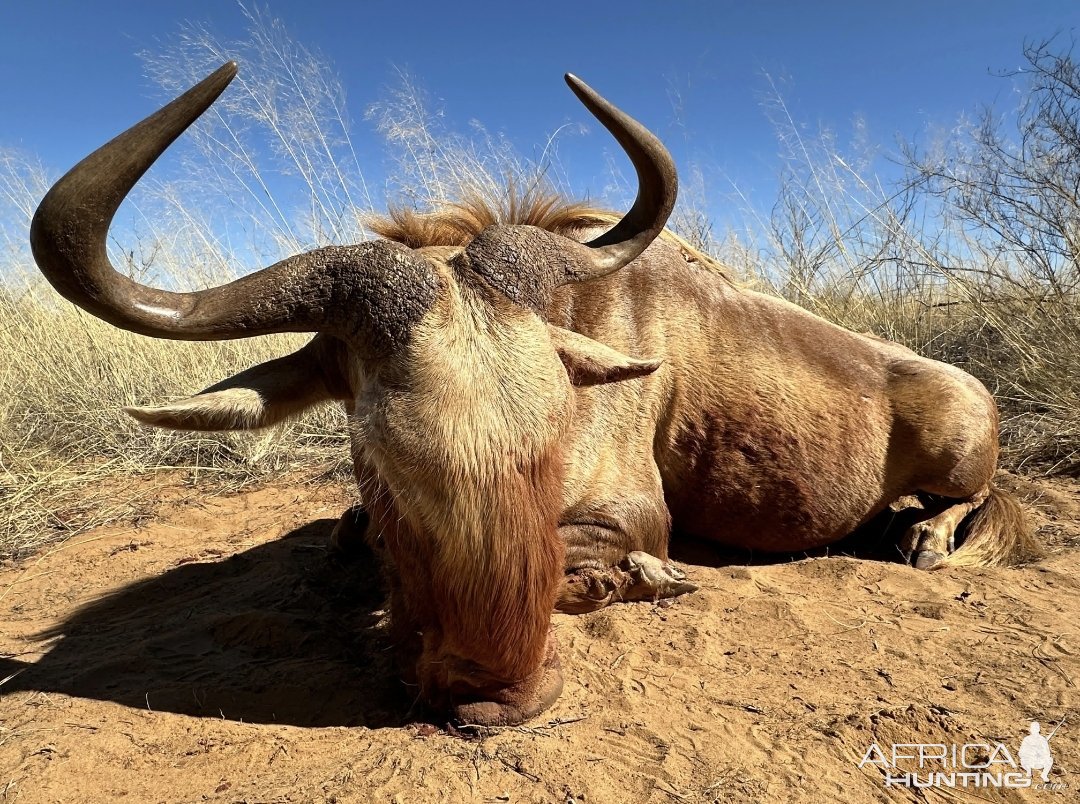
[657, 185]
[305, 293]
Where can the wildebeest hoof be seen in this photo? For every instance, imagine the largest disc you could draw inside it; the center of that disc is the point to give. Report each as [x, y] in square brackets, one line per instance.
[588, 589]
[653, 578]
[928, 542]
[925, 559]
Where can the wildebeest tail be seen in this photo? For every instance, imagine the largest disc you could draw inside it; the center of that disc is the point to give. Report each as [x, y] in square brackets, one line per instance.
[995, 534]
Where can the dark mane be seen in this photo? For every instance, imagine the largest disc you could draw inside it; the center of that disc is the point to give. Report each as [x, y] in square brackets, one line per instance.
[457, 223]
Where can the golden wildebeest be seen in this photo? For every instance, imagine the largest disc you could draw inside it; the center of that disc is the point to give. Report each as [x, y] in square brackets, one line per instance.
[535, 405]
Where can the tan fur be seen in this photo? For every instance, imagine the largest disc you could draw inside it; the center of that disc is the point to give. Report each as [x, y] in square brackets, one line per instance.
[230, 409]
[456, 224]
[766, 426]
[461, 453]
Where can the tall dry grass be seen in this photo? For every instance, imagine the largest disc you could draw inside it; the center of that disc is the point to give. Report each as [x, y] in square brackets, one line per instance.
[925, 260]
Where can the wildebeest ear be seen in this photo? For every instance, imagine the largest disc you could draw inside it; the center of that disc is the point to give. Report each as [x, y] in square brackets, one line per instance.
[589, 362]
[261, 396]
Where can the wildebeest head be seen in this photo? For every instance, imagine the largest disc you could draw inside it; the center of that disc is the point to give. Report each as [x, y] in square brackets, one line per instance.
[458, 391]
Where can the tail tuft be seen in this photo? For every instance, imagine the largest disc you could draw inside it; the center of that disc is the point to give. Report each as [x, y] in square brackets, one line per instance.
[995, 534]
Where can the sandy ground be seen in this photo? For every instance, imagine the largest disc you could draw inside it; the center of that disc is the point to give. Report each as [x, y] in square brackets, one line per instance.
[214, 650]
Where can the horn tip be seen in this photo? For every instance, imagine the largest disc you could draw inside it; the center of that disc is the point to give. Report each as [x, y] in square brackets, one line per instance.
[585, 93]
[217, 81]
[222, 76]
[574, 82]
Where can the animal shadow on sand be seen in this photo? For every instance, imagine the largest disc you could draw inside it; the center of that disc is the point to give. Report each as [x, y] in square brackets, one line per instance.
[281, 633]
[284, 633]
[877, 540]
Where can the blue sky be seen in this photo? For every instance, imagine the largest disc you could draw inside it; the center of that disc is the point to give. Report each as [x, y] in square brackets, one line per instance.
[692, 71]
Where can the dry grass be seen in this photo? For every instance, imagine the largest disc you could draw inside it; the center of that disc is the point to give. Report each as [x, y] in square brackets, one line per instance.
[911, 264]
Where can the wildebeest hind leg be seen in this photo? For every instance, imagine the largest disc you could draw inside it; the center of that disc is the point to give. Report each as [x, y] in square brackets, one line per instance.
[929, 540]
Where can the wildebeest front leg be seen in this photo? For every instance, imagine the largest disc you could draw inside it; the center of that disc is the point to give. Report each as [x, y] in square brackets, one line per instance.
[589, 585]
[639, 576]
